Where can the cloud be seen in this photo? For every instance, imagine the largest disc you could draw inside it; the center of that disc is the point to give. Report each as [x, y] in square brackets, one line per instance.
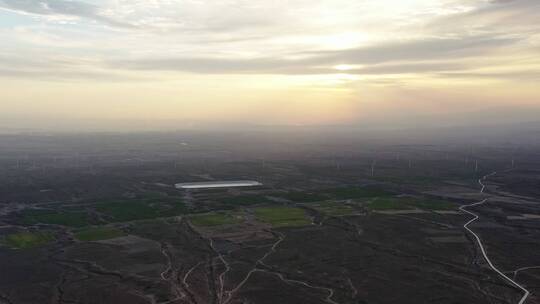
[493, 16]
[57, 68]
[430, 48]
[62, 8]
[525, 75]
[164, 16]
[393, 58]
[67, 75]
[257, 37]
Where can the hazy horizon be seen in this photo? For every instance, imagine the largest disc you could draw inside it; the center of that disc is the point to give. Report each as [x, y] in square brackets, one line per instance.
[114, 65]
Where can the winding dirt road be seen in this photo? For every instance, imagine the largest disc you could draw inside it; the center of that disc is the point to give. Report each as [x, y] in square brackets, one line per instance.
[231, 292]
[526, 292]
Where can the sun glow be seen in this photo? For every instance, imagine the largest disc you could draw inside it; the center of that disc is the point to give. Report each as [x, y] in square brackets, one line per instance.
[344, 67]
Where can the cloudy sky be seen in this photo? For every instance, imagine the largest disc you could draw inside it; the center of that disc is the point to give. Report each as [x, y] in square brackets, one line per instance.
[177, 63]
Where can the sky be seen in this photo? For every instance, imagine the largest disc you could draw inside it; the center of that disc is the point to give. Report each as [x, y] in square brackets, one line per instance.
[170, 64]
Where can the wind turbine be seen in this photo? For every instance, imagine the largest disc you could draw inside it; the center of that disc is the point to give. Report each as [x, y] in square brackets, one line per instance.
[373, 167]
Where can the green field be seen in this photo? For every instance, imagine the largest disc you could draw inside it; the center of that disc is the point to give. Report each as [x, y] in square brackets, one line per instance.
[303, 197]
[72, 219]
[245, 200]
[215, 219]
[431, 204]
[356, 192]
[130, 210]
[282, 216]
[389, 203]
[413, 180]
[404, 203]
[23, 240]
[98, 233]
[336, 193]
[334, 209]
[154, 229]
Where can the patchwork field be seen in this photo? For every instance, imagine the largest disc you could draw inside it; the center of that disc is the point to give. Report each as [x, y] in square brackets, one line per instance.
[216, 219]
[282, 216]
[129, 210]
[25, 240]
[99, 221]
[72, 219]
[98, 233]
[405, 203]
[245, 200]
[334, 208]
